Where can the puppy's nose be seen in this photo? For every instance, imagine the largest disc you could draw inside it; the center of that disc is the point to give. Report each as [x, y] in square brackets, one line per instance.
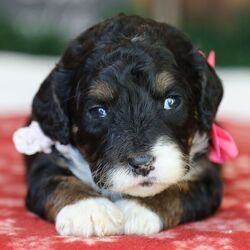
[141, 164]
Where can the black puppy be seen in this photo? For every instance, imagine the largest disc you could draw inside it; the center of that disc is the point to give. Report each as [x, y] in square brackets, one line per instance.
[131, 103]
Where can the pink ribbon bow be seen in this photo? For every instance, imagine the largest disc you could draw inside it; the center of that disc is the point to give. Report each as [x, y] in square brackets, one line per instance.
[211, 59]
[223, 146]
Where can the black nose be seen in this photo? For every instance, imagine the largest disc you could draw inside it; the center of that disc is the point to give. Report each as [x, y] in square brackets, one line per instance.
[141, 164]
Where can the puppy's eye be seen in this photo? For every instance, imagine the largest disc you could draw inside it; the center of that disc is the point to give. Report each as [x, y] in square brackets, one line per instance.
[172, 102]
[98, 112]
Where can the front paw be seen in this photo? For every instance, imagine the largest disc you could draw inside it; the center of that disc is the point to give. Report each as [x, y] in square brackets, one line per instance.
[93, 216]
[139, 219]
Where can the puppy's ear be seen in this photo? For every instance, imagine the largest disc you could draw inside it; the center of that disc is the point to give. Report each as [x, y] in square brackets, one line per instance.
[211, 91]
[49, 106]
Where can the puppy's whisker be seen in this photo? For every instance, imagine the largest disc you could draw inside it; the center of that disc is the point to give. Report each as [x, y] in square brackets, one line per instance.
[99, 173]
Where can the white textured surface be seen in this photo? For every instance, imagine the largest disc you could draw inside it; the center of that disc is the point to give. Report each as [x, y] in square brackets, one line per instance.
[22, 74]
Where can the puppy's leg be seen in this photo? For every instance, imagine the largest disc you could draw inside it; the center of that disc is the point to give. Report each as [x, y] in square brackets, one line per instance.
[55, 194]
[187, 201]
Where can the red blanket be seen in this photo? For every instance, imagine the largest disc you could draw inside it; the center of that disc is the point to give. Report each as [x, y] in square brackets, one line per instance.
[228, 229]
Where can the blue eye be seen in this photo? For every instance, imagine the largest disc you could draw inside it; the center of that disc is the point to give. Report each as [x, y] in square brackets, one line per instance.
[98, 112]
[172, 102]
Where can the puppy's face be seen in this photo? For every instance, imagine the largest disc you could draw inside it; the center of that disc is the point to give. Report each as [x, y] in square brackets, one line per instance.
[134, 122]
[131, 94]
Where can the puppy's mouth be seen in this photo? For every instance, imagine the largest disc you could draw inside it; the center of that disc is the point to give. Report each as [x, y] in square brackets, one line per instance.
[146, 183]
[144, 187]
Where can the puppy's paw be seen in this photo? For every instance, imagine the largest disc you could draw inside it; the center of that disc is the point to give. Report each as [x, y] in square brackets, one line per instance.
[139, 219]
[93, 216]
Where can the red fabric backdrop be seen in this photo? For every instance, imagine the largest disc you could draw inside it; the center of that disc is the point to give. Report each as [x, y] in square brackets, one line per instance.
[228, 229]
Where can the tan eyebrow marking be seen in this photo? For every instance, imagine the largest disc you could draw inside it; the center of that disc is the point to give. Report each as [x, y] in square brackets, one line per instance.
[101, 90]
[163, 80]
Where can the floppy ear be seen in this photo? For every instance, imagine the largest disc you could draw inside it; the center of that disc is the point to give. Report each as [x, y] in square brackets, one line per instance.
[211, 91]
[49, 106]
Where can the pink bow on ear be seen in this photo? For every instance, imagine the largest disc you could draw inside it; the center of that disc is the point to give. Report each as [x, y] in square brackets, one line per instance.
[211, 59]
[223, 146]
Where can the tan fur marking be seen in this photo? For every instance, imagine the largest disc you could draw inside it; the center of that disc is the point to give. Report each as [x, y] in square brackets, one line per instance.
[196, 115]
[68, 191]
[190, 140]
[163, 80]
[102, 91]
[75, 129]
[183, 186]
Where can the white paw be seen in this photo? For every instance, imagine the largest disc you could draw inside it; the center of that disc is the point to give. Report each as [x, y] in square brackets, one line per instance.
[139, 219]
[94, 216]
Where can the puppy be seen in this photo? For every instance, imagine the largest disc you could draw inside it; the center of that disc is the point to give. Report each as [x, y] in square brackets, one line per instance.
[132, 102]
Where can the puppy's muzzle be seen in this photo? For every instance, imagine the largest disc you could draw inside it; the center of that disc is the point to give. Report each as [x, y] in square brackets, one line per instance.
[141, 164]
